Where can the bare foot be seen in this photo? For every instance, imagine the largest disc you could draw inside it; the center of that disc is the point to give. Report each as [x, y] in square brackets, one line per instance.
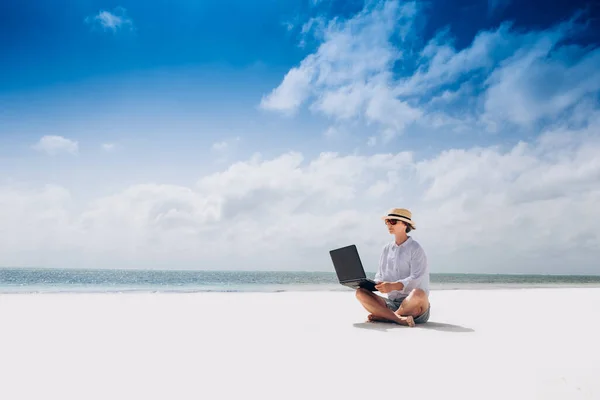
[375, 318]
[406, 321]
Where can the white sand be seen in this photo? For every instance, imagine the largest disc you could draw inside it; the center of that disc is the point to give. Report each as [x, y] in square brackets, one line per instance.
[517, 344]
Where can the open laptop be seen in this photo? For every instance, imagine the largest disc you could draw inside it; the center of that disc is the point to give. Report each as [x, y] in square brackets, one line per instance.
[349, 268]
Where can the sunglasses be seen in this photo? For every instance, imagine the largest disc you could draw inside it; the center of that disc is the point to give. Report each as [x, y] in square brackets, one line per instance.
[392, 221]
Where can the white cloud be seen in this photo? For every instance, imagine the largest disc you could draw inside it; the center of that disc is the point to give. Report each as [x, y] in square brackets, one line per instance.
[54, 145]
[292, 92]
[528, 208]
[367, 69]
[440, 64]
[540, 83]
[109, 147]
[35, 225]
[219, 146]
[111, 21]
[225, 150]
[349, 72]
[225, 144]
[288, 25]
[334, 132]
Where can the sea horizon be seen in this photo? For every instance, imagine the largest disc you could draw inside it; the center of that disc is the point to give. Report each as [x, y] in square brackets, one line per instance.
[88, 280]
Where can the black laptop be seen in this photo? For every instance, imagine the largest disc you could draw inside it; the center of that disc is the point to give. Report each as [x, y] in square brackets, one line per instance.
[349, 268]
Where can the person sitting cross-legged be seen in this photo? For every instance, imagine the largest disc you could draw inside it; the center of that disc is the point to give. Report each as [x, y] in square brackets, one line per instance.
[403, 275]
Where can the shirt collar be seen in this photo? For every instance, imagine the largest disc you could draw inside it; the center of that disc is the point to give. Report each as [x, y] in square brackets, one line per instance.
[395, 246]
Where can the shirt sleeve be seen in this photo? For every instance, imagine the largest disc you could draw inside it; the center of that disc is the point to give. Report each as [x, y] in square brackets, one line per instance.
[379, 274]
[418, 268]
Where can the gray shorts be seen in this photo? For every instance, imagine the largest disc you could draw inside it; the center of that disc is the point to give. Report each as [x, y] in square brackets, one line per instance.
[394, 305]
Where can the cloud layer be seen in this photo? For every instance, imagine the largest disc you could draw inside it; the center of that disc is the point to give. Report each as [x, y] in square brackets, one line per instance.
[528, 208]
[367, 69]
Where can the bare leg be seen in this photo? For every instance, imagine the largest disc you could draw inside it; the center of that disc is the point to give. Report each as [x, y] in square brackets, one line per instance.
[415, 304]
[379, 311]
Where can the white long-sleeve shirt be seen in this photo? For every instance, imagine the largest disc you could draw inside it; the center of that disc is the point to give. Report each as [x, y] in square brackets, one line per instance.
[406, 263]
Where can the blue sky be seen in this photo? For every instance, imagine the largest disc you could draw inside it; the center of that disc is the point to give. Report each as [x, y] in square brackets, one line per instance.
[271, 122]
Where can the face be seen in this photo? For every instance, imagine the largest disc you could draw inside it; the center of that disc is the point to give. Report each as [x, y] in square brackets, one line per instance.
[394, 225]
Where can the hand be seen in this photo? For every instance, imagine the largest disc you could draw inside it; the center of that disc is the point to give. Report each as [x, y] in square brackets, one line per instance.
[385, 287]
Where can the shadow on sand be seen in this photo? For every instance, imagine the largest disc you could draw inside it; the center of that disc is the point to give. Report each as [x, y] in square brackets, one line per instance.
[438, 326]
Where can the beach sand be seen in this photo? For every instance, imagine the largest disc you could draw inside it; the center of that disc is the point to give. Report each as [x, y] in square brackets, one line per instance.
[479, 344]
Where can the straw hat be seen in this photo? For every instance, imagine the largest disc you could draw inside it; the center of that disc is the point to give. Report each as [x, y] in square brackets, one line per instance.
[401, 214]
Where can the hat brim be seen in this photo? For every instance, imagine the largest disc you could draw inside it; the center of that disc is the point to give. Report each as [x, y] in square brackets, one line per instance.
[408, 221]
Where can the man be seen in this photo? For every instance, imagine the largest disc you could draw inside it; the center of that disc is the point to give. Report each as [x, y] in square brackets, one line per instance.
[403, 275]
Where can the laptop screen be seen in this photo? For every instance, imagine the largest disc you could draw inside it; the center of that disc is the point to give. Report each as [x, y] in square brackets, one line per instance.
[347, 264]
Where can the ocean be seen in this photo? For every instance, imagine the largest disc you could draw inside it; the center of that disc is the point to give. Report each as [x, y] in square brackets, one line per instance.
[30, 280]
